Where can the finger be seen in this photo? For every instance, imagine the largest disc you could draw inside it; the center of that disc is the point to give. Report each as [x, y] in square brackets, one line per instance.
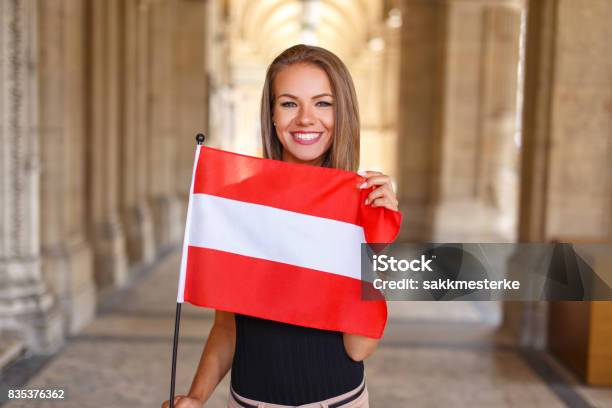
[376, 180]
[386, 203]
[378, 193]
[384, 190]
[368, 173]
[187, 403]
[176, 400]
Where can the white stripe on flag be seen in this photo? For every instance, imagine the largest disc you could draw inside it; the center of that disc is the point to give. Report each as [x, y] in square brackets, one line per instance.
[180, 297]
[270, 233]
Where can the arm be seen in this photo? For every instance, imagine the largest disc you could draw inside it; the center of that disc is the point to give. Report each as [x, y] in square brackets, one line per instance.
[359, 347]
[215, 362]
[217, 356]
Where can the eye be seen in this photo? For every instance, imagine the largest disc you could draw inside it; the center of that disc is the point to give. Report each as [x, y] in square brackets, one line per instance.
[324, 104]
[288, 104]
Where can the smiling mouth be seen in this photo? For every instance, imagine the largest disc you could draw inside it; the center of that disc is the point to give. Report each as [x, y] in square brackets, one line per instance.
[306, 138]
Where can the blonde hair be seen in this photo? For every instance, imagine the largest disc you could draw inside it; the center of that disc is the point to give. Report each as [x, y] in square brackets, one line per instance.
[344, 150]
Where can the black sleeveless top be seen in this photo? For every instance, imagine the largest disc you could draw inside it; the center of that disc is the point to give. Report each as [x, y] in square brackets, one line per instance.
[281, 363]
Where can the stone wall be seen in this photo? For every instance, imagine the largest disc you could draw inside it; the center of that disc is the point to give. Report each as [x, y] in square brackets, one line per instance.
[96, 144]
[27, 304]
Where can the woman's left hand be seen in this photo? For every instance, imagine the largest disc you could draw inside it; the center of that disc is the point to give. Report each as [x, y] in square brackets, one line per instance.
[383, 196]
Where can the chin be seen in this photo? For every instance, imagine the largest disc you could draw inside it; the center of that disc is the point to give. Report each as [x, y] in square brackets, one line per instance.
[308, 156]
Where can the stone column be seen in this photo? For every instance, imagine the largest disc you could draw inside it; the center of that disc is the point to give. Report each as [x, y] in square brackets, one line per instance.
[245, 100]
[497, 158]
[165, 204]
[389, 83]
[580, 181]
[462, 80]
[192, 87]
[375, 73]
[67, 258]
[26, 304]
[136, 167]
[420, 113]
[521, 318]
[535, 138]
[218, 58]
[103, 151]
[566, 182]
[479, 155]
[565, 188]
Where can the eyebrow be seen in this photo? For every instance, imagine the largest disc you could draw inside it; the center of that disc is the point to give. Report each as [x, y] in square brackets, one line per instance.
[314, 97]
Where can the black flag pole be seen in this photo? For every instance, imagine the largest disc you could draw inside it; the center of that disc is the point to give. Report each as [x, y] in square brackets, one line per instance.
[200, 138]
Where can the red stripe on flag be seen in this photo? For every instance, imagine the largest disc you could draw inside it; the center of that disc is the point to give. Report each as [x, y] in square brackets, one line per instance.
[321, 192]
[286, 293]
[279, 184]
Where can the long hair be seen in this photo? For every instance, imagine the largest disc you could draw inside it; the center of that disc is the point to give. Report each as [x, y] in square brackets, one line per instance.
[344, 150]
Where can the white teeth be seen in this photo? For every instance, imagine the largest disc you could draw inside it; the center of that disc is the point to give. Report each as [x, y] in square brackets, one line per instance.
[306, 136]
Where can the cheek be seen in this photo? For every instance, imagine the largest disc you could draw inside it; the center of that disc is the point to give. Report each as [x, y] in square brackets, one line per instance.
[328, 122]
[282, 118]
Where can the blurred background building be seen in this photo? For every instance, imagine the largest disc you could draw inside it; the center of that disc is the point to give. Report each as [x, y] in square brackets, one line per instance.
[494, 118]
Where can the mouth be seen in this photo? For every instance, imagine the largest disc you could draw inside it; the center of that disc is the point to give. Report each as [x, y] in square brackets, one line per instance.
[306, 138]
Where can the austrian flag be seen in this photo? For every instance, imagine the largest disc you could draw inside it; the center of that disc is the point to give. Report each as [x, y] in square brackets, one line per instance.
[281, 241]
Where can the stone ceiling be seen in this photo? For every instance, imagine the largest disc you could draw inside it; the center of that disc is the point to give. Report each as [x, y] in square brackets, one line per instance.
[262, 29]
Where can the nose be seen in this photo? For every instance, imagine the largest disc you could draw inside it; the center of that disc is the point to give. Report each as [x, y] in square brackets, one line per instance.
[305, 117]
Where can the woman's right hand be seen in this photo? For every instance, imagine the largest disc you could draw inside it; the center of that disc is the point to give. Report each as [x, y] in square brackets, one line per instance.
[215, 362]
[183, 401]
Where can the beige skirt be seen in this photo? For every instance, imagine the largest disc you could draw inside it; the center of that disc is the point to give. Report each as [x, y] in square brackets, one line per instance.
[355, 398]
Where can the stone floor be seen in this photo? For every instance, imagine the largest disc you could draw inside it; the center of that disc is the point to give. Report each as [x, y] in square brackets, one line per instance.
[433, 355]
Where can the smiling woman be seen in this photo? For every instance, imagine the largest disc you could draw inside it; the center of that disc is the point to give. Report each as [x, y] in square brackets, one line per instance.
[309, 115]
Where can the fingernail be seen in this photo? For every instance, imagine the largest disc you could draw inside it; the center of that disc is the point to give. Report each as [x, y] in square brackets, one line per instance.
[364, 185]
[366, 202]
[362, 172]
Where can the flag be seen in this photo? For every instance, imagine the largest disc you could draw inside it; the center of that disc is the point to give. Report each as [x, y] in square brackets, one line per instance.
[281, 241]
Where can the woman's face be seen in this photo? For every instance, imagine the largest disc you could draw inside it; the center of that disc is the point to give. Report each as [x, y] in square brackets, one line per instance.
[303, 113]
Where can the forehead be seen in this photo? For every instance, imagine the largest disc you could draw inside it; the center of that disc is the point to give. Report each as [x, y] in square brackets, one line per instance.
[302, 80]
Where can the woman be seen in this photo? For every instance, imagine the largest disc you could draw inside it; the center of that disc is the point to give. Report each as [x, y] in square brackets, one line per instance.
[309, 115]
